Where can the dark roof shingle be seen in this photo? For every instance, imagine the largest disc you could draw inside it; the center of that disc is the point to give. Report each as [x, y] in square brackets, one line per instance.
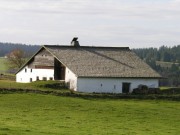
[102, 61]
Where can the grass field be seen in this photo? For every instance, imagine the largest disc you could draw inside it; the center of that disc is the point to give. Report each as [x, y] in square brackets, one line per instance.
[38, 85]
[165, 87]
[3, 67]
[165, 64]
[34, 114]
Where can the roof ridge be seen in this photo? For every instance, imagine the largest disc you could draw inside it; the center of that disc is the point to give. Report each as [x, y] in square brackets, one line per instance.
[68, 46]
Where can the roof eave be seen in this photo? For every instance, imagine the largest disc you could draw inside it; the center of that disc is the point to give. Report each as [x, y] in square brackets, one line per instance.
[120, 77]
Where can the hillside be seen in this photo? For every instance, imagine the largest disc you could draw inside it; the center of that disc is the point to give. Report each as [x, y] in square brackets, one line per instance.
[6, 48]
[165, 61]
[3, 67]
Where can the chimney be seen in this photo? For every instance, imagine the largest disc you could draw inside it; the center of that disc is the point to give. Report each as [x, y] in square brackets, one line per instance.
[74, 42]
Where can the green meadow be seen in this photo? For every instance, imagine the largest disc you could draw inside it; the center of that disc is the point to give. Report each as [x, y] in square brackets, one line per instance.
[38, 85]
[35, 114]
[3, 66]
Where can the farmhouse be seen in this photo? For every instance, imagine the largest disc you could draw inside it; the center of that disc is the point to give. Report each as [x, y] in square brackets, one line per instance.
[89, 69]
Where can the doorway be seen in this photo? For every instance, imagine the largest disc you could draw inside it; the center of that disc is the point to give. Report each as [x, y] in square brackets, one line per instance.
[59, 70]
[126, 87]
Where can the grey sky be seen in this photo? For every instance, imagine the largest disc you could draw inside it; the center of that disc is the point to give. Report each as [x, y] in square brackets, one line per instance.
[133, 23]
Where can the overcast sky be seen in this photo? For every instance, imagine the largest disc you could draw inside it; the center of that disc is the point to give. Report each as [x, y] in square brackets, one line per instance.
[133, 23]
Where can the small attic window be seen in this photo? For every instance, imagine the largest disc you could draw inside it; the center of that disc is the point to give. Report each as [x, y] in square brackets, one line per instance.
[25, 70]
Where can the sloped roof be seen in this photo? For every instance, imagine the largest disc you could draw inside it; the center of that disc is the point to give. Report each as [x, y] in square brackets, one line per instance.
[102, 61]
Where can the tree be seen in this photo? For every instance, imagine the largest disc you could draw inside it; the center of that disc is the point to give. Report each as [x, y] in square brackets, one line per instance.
[15, 59]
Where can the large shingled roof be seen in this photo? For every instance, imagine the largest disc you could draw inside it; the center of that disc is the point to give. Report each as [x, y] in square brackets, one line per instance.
[87, 61]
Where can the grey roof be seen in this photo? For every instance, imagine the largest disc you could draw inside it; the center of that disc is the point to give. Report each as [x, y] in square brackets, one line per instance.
[102, 61]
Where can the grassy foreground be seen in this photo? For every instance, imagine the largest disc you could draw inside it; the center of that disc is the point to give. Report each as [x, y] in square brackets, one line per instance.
[34, 114]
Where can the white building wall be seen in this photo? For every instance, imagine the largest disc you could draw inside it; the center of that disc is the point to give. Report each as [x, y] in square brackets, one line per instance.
[71, 78]
[112, 85]
[24, 76]
[100, 85]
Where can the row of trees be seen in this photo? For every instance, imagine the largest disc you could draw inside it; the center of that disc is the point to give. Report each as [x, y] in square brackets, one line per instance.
[6, 48]
[168, 55]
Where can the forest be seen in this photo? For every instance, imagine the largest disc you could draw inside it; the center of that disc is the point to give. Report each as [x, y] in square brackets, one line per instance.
[6, 48]
[165, 60]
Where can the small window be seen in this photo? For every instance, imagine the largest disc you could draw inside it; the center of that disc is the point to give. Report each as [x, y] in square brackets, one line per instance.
[37, 78]
[31, 70]
[25, 70]
[30, 79]
[44, 79]
[50, 78]
[114, 86]
[101, 84]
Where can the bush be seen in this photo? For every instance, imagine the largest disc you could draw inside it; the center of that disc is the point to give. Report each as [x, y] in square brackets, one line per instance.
[154, 91]
[143, 89]
[171, 91]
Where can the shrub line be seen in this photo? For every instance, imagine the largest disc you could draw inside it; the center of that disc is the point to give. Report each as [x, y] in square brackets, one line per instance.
[93, 95]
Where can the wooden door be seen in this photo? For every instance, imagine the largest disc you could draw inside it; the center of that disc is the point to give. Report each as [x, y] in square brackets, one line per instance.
[125, 87]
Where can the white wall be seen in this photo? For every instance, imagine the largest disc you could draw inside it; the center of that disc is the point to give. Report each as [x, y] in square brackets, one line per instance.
[24, 77]
[112, 85]
[106, 85]
[71, 78]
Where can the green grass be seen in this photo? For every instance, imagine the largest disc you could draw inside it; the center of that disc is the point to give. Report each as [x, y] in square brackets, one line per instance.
[165, 64]
[38, 85]
[33, 114]
[166, 88]
[3, 67]
[56, 88]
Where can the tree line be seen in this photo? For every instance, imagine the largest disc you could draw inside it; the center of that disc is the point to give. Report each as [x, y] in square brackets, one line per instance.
[16, 54]
[6, 48]
[165, 60]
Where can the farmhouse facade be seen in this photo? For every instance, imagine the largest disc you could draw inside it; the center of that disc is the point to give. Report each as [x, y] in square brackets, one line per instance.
[89, 69]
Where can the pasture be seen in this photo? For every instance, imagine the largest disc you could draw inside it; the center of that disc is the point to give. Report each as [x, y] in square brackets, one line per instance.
[38, 85]
[35, 114]
[3, 67]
